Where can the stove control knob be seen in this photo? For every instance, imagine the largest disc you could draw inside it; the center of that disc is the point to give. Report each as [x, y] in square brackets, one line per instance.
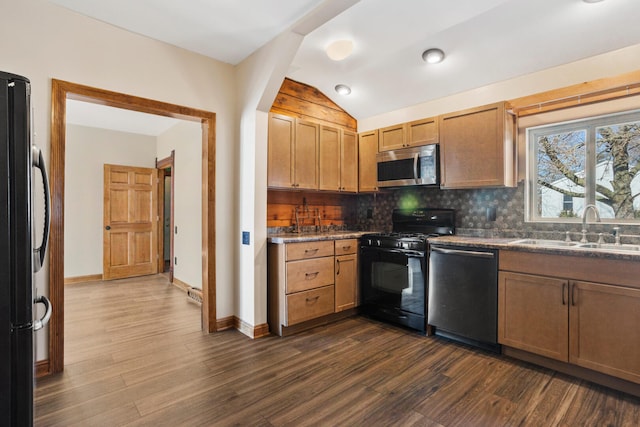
[405, 246]
[378, 243]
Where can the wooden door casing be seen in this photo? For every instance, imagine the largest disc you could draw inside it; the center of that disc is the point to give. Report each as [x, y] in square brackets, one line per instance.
[130, 233]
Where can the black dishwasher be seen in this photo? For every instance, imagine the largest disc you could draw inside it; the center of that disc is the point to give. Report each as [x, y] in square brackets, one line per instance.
[463, 294]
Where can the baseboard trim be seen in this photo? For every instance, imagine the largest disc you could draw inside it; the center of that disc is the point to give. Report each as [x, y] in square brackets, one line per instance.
[42, 368]
[82, 279]
[180, 284]
[225, 323]
[251, 331]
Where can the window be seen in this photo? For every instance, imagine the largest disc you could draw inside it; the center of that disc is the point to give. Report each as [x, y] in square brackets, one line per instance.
[591, 161]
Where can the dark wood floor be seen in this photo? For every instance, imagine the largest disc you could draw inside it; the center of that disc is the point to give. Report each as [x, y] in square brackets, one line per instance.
[135, 356]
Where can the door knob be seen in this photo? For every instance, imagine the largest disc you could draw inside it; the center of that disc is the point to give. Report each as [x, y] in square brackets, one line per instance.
[108, 227]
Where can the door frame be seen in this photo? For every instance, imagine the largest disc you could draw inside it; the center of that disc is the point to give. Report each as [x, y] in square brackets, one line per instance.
[60, 92]
[162, 165]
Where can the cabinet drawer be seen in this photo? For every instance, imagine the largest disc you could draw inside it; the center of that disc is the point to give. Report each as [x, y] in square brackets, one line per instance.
[309, 304]
[305, 250]
[309, 274]
[346, 246]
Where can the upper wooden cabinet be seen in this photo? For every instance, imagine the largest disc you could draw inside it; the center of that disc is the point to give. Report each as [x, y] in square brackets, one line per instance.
[412, 134]
[305, 166]
[422, 132]
[367, 166]
[392, 137]
[280, 151]
[338, 160]
[477, 148]
[292, 153]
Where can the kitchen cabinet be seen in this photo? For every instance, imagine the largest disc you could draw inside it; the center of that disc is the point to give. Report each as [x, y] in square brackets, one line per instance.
[280, 151]
[422, 132]
[411, 134]
[477, 148]
[392, 137]
[346, 279]
[576, 310]
[367, 164]
[308, 281]
[338, 160]
[292, 153]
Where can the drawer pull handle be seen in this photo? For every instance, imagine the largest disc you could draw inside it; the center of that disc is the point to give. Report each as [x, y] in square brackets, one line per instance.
[346, 248]
[313, 299]
[310, 276]
[338, 264]
[308, 251]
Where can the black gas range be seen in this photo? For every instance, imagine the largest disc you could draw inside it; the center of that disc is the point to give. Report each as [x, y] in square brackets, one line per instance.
[393, 266]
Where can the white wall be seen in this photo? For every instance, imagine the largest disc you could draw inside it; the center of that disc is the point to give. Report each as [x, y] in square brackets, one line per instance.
[597, 67]
[186, 139]
[42, 41]
[87, 151]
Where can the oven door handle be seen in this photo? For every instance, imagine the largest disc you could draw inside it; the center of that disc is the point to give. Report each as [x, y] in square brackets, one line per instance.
[475, 254]
[406, 252]
[415, 168]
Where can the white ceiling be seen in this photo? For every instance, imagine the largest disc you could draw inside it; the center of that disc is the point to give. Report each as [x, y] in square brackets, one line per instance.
[485, 40]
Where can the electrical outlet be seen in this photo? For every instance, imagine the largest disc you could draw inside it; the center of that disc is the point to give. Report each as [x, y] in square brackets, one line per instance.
[246, 237]
[491, 213]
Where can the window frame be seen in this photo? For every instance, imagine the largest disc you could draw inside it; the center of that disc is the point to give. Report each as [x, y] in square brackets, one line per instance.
[590, 126]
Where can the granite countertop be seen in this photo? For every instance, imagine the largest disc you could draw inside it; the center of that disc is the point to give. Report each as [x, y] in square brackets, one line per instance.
[281, 238]
[465, 241]
[508, 244]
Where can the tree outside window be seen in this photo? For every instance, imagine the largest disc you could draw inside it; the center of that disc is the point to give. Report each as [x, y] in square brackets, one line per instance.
[594, 161]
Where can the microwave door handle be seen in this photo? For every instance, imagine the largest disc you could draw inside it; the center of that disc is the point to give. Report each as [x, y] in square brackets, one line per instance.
[415, 167]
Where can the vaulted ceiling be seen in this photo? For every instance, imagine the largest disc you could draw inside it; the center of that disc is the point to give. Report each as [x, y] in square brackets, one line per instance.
[485, 41]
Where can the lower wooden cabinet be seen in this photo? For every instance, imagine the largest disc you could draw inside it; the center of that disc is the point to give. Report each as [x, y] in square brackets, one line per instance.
[310, 304]
[586, 324]
[604, 332]
[308, 281]
[532, 314]
[346, 279]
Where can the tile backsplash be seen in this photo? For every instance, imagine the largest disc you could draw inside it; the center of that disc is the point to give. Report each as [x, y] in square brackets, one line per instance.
[474, 211]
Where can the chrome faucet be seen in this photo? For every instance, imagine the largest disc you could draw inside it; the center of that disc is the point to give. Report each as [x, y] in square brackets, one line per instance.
[584, 220]
[616, 235]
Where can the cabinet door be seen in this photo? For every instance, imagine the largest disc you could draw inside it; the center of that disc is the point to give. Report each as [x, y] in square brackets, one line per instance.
[346, 281]
[605, 329]
[422, 132]
[392, 138]
[329, 158]
[533, 314]
[280, 151]
[305, 164]
[367, 165]
[477, 148]
[349, 162]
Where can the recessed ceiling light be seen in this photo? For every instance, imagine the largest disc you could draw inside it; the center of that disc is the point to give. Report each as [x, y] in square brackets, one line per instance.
[339, 49]
[592, 1]
[433, 56]
[343, 89]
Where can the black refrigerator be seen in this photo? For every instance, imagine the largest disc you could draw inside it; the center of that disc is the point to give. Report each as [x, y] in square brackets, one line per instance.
[20, 255]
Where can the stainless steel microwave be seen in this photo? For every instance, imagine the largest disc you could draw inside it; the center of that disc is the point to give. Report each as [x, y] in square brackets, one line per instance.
[409, 166]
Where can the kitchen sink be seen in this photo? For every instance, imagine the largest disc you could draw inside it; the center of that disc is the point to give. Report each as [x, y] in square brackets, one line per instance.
[610, 247]
[605, 247]
[545, 243]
